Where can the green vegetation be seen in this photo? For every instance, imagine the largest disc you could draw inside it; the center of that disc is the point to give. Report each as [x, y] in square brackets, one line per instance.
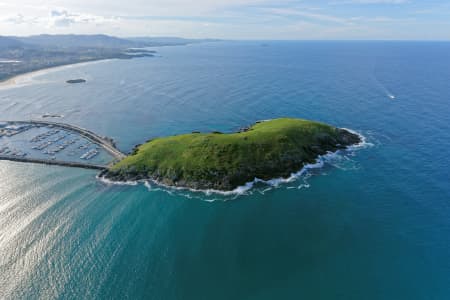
[266, 150]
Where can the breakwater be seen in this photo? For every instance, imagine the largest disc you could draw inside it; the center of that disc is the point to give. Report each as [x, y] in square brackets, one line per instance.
[53, 162]
[104, 142]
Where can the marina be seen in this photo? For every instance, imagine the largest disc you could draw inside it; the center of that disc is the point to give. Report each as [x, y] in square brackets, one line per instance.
[55, 143]
[12, 152]
[9, 130]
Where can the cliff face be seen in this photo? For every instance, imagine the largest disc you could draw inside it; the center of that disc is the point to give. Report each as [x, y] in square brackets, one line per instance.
[267, 150]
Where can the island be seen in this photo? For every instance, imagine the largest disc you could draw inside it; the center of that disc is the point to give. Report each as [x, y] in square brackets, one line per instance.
[72, 81]
[224, 161]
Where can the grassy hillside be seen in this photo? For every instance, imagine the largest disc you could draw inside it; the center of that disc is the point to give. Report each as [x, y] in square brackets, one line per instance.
[269, 149]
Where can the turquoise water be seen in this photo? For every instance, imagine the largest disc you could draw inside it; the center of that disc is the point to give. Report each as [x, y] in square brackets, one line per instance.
[371, 224]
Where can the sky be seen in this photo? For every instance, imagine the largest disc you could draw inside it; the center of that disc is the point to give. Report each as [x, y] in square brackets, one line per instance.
[232, 19]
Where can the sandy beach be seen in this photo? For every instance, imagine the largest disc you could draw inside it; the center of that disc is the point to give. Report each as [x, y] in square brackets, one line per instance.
[28, 78]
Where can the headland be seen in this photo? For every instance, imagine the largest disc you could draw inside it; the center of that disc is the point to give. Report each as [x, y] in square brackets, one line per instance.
[224, 161]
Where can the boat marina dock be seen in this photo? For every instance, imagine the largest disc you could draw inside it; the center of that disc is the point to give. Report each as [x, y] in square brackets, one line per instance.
[53, 143]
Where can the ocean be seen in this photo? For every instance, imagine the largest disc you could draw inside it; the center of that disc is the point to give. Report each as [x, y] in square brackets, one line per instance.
[372, 223]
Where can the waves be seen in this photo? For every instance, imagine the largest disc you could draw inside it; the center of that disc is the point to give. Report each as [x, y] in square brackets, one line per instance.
[110, 182]
[339, 159]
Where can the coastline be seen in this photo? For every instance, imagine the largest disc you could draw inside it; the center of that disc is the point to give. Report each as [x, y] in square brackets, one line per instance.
[27, 78]
[241, 190]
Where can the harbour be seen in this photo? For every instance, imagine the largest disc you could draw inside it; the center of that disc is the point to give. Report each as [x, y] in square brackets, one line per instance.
[54, 143]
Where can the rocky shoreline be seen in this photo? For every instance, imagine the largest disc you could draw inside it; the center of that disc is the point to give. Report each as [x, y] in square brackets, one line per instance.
[223, 179]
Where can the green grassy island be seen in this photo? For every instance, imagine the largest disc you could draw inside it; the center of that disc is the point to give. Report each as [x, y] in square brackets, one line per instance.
[266, 150]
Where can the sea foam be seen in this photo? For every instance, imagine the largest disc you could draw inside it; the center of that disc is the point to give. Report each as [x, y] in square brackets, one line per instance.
[246, 189]
[111, 182]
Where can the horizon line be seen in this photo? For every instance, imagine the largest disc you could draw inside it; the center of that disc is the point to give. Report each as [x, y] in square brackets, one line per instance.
[237, 40]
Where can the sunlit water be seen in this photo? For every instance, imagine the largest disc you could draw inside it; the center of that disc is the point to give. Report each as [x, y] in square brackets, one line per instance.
[369, 224]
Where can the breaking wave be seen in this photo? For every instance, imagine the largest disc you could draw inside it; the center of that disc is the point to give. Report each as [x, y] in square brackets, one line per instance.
[339, 159]
[110, 182]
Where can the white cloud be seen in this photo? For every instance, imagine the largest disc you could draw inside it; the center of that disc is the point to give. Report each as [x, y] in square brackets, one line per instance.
[62, 18]
[57, 18]
[19, 19]
[243, 19]
[141, 7]
[308, 15]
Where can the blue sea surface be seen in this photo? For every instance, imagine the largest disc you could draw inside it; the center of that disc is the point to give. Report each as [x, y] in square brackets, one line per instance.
[370, 224]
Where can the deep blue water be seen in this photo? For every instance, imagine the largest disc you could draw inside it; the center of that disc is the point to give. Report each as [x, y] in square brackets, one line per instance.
[371, 224]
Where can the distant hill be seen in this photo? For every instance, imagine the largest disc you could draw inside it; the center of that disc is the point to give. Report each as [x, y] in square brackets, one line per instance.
[25, 54]
[9, 43]
[20, 55]
[79, 41]
[98, 41]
